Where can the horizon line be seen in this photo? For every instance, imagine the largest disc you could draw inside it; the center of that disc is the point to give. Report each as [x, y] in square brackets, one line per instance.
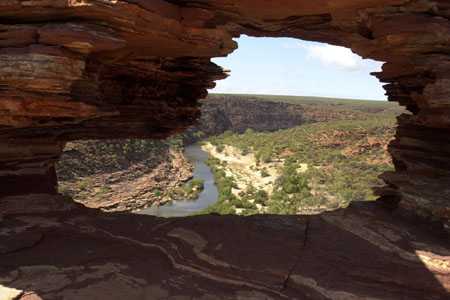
[304, 96]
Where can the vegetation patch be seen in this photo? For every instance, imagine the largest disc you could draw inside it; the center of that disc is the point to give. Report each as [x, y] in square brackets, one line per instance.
[122, 175]
[189, 191]
[313, 168]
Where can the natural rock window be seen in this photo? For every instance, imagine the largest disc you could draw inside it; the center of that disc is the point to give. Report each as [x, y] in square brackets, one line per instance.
[262, 154]
[135, 69]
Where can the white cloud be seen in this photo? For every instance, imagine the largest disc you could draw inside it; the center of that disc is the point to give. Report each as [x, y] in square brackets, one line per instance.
[340, 57]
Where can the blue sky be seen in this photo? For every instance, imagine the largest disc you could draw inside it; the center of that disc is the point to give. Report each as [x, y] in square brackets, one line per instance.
[282, 66]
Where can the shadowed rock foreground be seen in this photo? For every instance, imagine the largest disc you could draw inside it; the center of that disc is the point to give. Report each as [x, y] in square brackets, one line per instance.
[78, 253]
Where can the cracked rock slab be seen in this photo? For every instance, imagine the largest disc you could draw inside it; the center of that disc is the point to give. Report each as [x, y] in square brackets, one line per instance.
[360, 252]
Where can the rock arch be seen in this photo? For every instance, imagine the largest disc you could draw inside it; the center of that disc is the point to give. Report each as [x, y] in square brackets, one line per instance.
[96, 69]
[75, 69]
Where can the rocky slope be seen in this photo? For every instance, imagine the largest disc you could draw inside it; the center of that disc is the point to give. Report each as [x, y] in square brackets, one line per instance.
[122, 175]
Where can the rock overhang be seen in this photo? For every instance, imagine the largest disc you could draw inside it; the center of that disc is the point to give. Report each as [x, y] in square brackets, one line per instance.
[108, 68]
[83, 69]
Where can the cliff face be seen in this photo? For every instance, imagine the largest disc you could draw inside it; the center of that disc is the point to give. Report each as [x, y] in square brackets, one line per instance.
[222, 113]
[83, 69]
[238, 113]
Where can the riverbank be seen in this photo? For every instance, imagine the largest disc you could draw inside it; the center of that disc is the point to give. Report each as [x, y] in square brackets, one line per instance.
[245, 169]
[182, 207]
[305, 170]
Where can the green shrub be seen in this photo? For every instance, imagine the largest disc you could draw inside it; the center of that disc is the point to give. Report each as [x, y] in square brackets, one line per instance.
[261, 197]
[220, 148]
[245, 151]
[157, 193]
[264, 173]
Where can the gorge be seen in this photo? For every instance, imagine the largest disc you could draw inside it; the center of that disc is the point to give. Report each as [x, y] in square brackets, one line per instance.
[130, 175]
[102, 69]
[126, 175]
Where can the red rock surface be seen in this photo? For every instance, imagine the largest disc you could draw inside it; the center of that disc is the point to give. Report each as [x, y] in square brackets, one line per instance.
[78, 69]
[100, 69]
[359, 253]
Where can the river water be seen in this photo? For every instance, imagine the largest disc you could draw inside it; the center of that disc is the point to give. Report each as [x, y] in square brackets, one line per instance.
[182, 208]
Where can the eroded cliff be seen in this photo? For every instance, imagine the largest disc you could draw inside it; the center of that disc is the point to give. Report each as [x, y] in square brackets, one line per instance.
[122, 175]
[237, 113]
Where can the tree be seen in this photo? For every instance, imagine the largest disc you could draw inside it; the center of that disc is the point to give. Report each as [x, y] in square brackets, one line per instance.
[261, 197]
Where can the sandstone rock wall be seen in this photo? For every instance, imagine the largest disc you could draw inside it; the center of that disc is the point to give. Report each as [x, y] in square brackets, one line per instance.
[83, 69]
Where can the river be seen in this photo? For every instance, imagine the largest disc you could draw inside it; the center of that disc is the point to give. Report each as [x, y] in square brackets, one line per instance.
[182, 208]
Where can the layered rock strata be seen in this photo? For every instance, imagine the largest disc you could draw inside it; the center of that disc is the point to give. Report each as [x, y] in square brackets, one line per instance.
[360, 253]
[101, 69]
[78, 69]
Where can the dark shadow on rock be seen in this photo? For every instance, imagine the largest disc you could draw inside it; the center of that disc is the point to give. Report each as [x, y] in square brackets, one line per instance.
[76, 253]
